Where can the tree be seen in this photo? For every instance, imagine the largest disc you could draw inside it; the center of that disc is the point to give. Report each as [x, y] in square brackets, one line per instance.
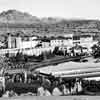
[4, 64]
[56, 49]
[96, 50]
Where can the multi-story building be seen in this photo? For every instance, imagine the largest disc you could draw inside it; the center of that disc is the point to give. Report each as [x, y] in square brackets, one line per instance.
[20, 41]
[87, 41]
[84, 40]
[64, 41]
[27, 45]
[45, 42]
[34, 45]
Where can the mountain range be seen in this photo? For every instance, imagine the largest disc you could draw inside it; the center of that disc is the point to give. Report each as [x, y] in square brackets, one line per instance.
[14, 16]
[14, 21]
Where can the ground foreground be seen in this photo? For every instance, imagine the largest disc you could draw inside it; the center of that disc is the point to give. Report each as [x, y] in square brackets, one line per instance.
[53, 98]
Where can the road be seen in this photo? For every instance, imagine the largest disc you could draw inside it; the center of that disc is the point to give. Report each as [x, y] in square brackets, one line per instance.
[55, 62]
[53, 98]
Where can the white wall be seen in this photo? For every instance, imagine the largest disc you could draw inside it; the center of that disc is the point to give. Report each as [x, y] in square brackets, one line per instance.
[45, 44]
[58, 42]
[37, 51]
[18, 42]
[68, 42]
[29, 44]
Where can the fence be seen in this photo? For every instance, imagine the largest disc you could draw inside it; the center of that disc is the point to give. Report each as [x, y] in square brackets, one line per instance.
[27, 51]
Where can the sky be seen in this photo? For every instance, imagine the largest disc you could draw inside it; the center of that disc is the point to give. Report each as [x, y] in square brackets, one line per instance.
[69, 9]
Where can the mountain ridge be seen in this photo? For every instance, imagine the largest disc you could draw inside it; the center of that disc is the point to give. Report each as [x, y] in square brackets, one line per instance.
[15, 16]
